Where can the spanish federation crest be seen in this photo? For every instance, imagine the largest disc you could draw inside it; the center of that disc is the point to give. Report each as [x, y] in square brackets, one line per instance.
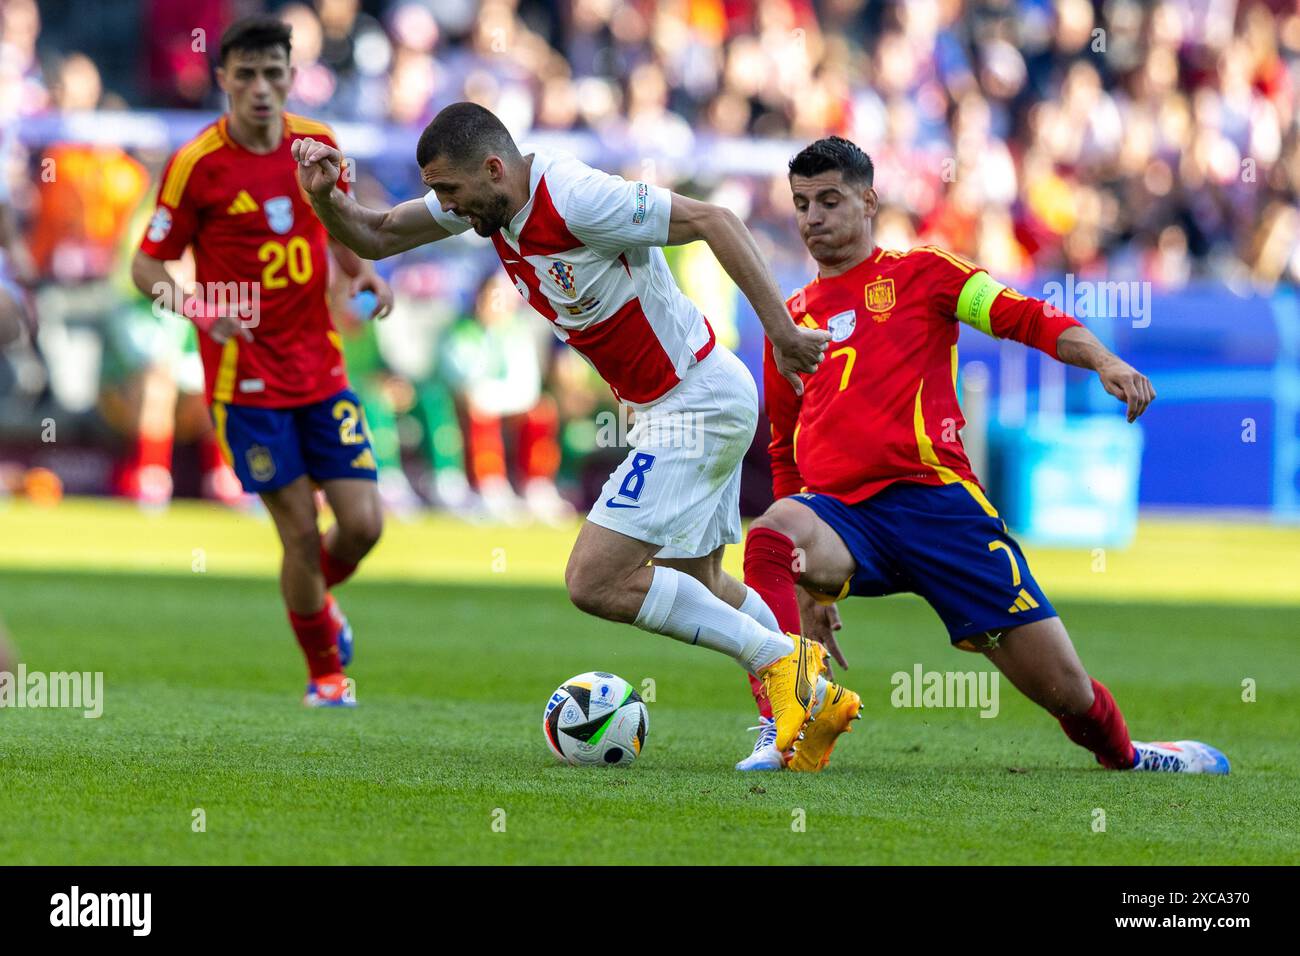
[279, 214]
[562, 274]
[880, 295]
[841, 325]
[260, 463]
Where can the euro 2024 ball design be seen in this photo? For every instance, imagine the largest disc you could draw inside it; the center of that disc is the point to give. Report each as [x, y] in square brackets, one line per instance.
[596, 719]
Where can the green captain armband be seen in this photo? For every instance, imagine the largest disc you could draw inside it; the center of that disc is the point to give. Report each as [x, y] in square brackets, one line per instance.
[975, 304]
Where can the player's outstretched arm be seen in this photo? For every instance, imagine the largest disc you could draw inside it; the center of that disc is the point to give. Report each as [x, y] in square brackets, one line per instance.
[972, 296]
[370, 233]
[797, 349]
[1079, 347]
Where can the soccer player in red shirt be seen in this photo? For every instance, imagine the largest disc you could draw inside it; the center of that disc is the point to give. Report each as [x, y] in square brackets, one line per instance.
[275, 381]
[875, 493]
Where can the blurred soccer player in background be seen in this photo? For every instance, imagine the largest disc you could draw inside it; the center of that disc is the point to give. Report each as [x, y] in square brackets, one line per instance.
[275, 379]
[151, 387]
[493, 359]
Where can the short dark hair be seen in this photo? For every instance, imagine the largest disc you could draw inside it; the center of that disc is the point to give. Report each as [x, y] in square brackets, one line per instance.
[465, 133]
[835, 152]
[254, 34]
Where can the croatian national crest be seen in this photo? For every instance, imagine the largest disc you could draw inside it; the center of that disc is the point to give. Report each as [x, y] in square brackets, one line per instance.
[841, 325]
[562, 274]
[279, 214]
[880, 295]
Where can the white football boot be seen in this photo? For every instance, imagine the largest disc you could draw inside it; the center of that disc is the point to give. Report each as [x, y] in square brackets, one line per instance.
[1179, 756]
[765, 755]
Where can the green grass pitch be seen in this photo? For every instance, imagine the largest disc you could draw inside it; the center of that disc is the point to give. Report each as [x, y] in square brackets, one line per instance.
[444, 761]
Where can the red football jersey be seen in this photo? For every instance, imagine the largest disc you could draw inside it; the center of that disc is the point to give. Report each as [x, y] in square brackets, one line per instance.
[256, 240]
[883, 405]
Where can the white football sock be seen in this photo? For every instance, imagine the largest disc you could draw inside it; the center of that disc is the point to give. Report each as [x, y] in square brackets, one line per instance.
[680, 607]
[754, 606]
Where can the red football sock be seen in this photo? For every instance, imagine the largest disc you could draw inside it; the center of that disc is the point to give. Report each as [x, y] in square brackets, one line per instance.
[539, 447]
[769, 570]
[1102, 730]
[156, 450]
[335, 570]
[760, 697]
[146, 451]
[318, 637]
[487, 456]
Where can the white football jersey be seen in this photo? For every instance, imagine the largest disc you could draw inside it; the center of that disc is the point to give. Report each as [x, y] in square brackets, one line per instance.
[585, 251]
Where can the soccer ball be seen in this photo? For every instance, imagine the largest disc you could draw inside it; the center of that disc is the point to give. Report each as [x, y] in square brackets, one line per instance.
[595, 719]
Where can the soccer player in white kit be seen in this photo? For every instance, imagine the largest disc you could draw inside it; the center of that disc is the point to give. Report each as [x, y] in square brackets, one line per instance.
[584, 249]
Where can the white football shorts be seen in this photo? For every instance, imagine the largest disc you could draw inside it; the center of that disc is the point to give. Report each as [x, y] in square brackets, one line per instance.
[679, 486]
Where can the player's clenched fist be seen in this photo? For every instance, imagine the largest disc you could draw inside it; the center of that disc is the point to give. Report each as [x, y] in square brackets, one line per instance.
[217, 326]
[226, 326]
[800, 352]
[318, 166]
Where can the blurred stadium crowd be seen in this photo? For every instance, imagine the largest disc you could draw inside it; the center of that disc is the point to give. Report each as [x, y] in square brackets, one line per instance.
[1156, 141]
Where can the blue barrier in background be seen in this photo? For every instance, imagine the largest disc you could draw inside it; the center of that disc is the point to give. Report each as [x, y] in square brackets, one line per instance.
[1072, 483]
